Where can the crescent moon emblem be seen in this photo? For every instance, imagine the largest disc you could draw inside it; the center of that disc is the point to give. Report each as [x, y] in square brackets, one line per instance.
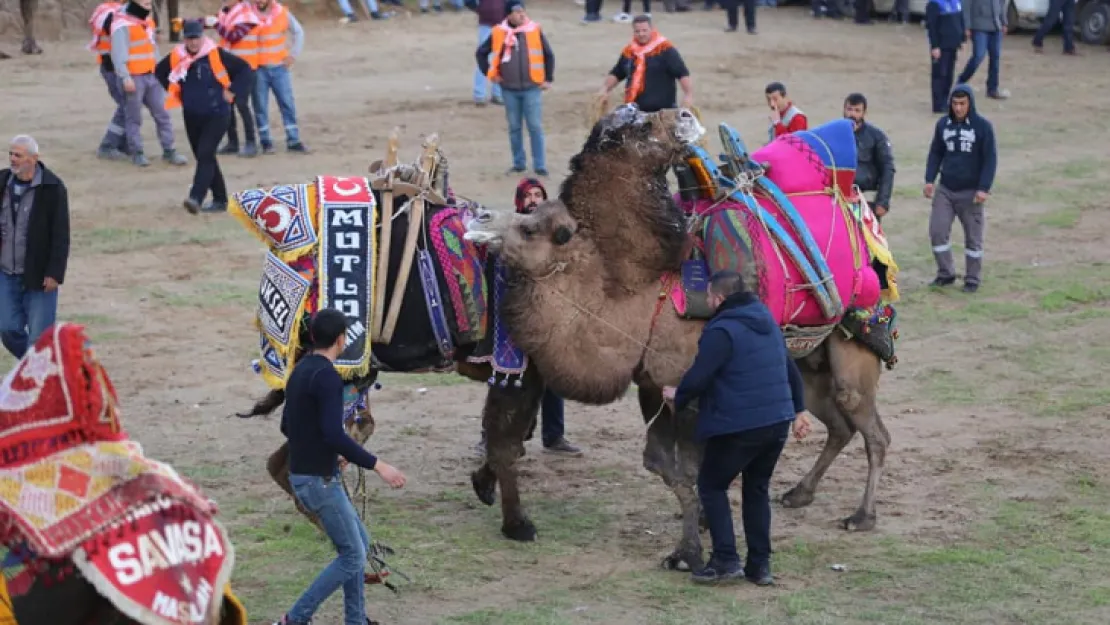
[284, 218]
[339, 189]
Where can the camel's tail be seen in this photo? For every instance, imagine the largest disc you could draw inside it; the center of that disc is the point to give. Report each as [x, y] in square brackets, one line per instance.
[265, 406]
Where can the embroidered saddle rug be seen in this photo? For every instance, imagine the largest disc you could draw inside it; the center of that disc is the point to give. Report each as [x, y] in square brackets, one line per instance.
[788, 219]
[74, 487]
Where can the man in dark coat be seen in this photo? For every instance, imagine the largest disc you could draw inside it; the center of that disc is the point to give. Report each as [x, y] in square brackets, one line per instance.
[204, 80]
[749, 391]
[944, 23]
[875, 161]
[34, 245]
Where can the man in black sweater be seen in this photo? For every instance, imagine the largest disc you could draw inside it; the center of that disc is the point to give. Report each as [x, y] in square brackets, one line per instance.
[204, 80]
[650, 65]
[313, 423]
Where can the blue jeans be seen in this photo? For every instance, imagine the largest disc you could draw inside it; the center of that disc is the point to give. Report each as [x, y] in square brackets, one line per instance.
[480, 80]
[754, 454]
[345, 6]
[24, 315]
[275, 77]
[984, 43]
[326, 498]
[525, 106]
[554, 425]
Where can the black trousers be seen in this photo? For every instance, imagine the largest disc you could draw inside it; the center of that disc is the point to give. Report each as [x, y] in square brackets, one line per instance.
[205, 132]
[753, 454]
[944, 72]
[243, 105]
[863, 11]
[628, 6]
[593, 7]
[732, 7]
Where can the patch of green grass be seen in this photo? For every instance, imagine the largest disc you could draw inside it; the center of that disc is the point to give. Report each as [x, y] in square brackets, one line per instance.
[1071, 294]
[449, 378]
[203, 294]
[1065, 217]
[112, 240]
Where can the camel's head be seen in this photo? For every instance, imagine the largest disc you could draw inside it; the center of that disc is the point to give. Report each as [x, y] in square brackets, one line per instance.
[529, 243]
[652, 139]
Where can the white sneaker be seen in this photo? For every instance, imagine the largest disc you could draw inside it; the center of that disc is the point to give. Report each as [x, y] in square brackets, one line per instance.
[622, 17]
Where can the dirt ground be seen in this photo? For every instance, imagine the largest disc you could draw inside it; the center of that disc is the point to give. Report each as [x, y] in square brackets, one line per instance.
[992, 507]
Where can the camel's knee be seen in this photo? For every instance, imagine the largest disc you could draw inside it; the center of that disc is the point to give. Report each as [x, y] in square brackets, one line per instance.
[847, 397]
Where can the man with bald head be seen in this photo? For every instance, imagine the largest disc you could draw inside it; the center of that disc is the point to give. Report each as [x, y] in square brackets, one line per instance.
[34, 245]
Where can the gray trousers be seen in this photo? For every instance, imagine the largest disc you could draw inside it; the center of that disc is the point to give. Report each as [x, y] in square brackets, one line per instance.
[114, 136]
[947, 207]
[150, 94]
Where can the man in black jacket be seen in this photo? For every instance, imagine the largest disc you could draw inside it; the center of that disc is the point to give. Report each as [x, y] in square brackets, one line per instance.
[875, 159]
[34, 245]
[748, 392]
[204, 80]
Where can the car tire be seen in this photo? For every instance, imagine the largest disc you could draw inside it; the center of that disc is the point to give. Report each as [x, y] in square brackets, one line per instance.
[1094, 23]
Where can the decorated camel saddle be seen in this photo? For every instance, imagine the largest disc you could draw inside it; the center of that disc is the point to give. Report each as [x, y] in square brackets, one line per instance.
[388, 250]
[788, 218]
[92, 527]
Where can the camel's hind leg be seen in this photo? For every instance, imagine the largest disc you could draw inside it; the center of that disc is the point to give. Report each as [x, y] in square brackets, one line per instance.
[671, 453]
[851, 383]
[821, 403]
[277, 465]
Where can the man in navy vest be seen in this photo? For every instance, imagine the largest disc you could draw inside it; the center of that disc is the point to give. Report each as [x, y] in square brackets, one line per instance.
[749, 391]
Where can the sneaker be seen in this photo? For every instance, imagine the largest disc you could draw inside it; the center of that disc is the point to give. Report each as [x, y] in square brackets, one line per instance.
[497, 101]
[268, 148]
[622, 17]
[1001, 94]
[715, 572]
[249, 150]
[140, 160]
[939, 282]
[512, 171]
[214, 207]
[229, 148]
[173, 157]
[348, 19]
[542, 172]
[191, 205]
[591, 18]
[563, 446]
[285, 620]
[379, 16]
[753, 31]
[970, 287]
[297, 147]
[759, 575]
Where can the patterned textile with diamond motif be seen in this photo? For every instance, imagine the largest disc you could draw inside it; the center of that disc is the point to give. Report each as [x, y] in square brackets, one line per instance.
[67, 470]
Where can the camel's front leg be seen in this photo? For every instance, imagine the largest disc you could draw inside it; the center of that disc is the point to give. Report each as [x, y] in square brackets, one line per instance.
[27, 10]
[671, 453]
[507, 417]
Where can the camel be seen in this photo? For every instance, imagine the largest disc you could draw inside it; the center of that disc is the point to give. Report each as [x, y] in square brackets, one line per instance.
[587, 306]
[27, 13]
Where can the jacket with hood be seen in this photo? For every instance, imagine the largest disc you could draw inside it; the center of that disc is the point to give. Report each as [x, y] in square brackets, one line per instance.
[964, 152]
[742, 375]
[985, 15]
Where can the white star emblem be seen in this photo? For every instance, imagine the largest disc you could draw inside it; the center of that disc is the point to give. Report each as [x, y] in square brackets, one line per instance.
[39, 365]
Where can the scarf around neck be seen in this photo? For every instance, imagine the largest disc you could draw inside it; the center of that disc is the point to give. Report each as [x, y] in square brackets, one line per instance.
[639, 53]
[179, 72]
[511, 35]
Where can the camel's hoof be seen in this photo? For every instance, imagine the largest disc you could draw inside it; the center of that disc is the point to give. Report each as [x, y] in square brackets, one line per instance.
[486, 490]
[30, 47]
[520, 531]
[682, 563]
[797, 498]
[859, 522]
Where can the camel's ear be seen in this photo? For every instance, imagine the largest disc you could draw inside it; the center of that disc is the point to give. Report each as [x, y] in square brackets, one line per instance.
[562, 235]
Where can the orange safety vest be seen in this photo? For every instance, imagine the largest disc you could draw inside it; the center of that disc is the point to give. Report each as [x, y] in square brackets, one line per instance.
[247, 47]
[140, 54]
[533, 41]
[179, 54]
[101, 43]
[271, 37]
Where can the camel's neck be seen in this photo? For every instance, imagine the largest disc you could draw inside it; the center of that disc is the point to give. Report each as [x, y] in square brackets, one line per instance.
[584, 341]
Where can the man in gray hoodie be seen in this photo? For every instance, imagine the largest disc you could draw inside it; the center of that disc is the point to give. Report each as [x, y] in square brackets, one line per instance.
[986, 24]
